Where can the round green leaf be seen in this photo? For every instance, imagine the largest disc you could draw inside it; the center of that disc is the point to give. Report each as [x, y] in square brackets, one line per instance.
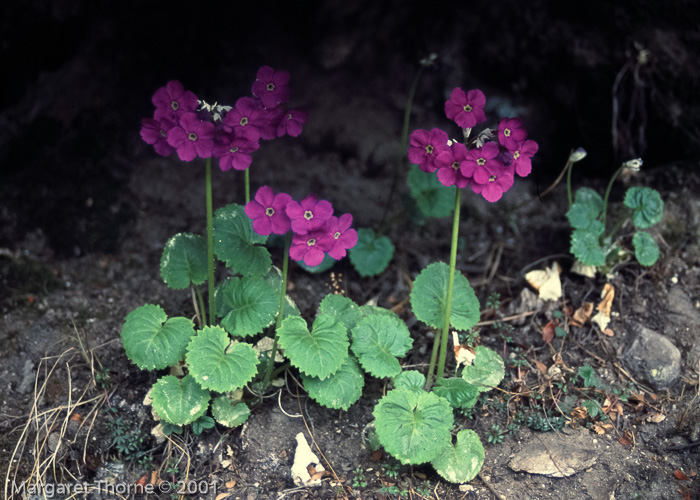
[274, 277]
[371, 254]
[342, 309]
[433, 199]
[228, 413]
[410, 378]
[581, 215]
[153, 341]
[647, 205]
[487, 371]
[429, 294]
[414, 426]
[215, 365]
[459, 392]
[585, 245]
[237, 244]
[590, 197]
[462, 462]
[252, 304]
[318, 353]
[184, 261]
[179, 401]
[377, 341]
[645, 248]
[340, 390]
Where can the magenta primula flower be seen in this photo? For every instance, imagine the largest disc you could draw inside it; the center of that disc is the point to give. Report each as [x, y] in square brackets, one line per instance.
[292, 123]
[267, 212]
[248, 114]
[522, 157]
[498, 183]
[339, 236]
[173, 101]
[309, 215]
[511, 133]
[426, 146]
[309, 247]
[271, 86]
[156, 132]
[482, 162]
[235, 151]
[449, 166]
[192, 137]
[466, 109]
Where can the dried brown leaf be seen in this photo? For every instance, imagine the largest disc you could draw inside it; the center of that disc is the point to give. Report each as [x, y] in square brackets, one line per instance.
[548, 331]
[582, 314]
[680, 475]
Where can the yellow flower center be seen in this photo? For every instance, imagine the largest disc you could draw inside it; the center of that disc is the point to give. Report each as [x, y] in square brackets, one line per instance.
[192, 136]
[162, 132]
[269, 211]
[308, 215]
[455, 165]
[174, 105]
[516, 155]
[506, 132]
[467, 108]
[270, 87]
[492, 178]
[244, 121]
[311, 242]
[429, 149]
[233, 149]
[336, 235]
[481, 162]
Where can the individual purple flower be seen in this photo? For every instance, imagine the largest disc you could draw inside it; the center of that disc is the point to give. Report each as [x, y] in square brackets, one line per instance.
[192, 137]
[466, 109]
[271, 86]
[270, 122]
[267, 212]
[173, 101]
[156, 132]
[309, 215]
[308, 247]
[339, 236]
[292, 123]
[498, 183]
[235, 151]
[449, 166]
[482, 162]
[426, 146]
[511, 133]
[522, 157]
[246, 115]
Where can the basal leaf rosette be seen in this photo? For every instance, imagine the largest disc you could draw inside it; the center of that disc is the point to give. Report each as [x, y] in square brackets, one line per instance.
[237, 244]
[459, 392]
[319, 352]
[462, 461]
[215, 365]
[413, 426]
[645, 248]
[184, 261]
[274, 277]
[647, 205]
[410, 378]
[371, 254]
[429, 294]
[487, 371]
[229, 413]
[377, 341]
[153, 341]
[586, 208]
[433, 199]
[340, 390]
[585, 244]
[342, 309]
[179, 401]
[252, 304]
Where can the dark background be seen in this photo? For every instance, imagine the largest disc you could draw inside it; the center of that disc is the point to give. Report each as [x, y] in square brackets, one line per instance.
[78, 76]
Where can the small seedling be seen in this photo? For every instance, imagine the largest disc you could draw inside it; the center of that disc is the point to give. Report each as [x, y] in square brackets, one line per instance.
[358, 479]
[495, 435]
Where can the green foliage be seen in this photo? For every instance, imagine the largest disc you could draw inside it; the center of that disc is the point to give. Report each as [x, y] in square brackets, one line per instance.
[342, 309]
[459, 392]
[429, 294]
[202, 423]
[462, 461]
[217, 366]
[587, 373]
[645, 248]
[319, 352]
[237, 244]
[127, 439]
[433, 199]
[487, 371]
[372, 254]
[585, 244]
[410, 378]
[413, 426]
[179, 401]
[647, 205]
[153, 341]
[592, 407]
[184, 261]
[340, 390]
[251, 305]
[377, 341]
[495, 435]
[358, 478]
[585, 210]
[229, 413]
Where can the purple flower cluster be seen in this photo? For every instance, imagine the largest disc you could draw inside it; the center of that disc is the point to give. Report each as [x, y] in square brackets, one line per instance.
[230, 134]
[315, 230]
[488, 167]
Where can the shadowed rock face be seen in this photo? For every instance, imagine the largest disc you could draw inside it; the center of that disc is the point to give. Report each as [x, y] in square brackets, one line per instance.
[653, 357]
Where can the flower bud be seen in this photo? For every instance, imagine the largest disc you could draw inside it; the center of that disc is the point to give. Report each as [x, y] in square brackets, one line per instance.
[577, 155]
[633, 165]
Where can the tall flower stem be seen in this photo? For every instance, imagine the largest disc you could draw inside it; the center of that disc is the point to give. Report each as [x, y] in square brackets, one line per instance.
[200, 301]
[247, 185]
[280, 314]
[607, 195]
[570, 167]
[210, 244]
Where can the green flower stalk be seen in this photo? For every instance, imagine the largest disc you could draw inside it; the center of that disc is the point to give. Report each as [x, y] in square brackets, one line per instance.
[210, 244]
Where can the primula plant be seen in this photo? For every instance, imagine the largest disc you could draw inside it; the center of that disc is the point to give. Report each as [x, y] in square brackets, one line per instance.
[592, 244]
